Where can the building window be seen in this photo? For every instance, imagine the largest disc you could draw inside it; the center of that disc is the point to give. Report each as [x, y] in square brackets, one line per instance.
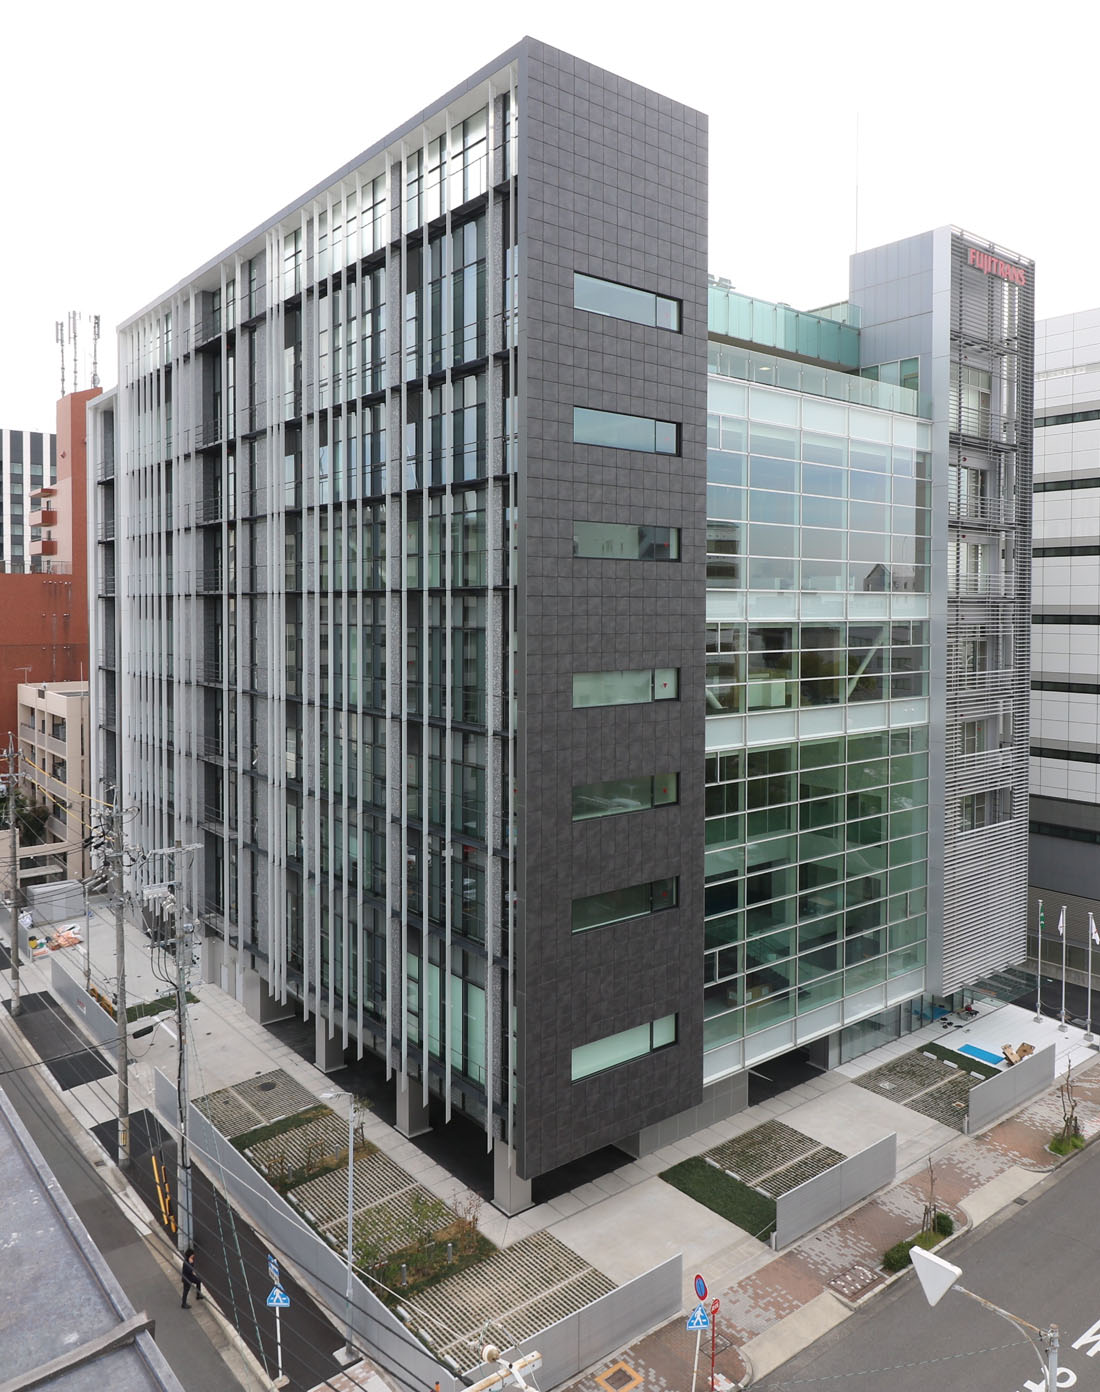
[1091, 549]
[617, 795]
[625, 688]
[618, 905]
[617, 431]
[624, 302]
[1064, 485]
[978, 810]
[629, 1044]
[1073, 756]
[620, 541]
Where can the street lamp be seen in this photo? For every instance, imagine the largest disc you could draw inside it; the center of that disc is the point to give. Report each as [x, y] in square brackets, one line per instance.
[937, 1277]
[348, 1354]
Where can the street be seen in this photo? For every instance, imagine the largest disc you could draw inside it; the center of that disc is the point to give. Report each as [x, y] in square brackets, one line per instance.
[1040, 1260]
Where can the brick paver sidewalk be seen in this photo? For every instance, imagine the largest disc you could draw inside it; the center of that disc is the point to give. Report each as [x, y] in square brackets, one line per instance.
[844, 1257]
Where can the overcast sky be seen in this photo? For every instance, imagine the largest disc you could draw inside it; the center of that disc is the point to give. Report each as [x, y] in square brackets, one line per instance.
[140, 139]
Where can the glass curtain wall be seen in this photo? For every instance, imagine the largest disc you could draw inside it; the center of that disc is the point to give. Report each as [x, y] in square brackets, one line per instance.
[817, 701]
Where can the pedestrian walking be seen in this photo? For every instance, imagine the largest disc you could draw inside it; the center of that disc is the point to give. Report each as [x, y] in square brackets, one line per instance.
[190, 1278]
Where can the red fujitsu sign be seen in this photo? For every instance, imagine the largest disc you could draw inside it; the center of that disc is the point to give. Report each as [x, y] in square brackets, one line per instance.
[992, 265]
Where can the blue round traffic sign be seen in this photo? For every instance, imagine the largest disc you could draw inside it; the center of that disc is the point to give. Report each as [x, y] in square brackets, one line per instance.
[700, 1288]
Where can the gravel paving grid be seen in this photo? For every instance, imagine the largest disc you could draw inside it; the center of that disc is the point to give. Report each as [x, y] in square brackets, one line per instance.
[761, 1151]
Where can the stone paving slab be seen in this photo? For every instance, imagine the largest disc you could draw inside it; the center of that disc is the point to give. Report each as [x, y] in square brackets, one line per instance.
[947, 1103]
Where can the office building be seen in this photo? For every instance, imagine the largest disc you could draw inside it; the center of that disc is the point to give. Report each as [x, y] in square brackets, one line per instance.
[27, 461]
[54, 766]
[1065, 641]
[44, 557]
[516, 672]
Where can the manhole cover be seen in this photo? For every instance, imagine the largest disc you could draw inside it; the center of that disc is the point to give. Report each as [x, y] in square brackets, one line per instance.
[269, 1086]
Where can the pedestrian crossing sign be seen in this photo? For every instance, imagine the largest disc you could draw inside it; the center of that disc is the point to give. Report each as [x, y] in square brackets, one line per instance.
[699, 1318]
[279, 1298]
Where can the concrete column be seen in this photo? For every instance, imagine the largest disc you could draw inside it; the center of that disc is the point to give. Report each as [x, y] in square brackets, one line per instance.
[328, 1049]
[510, 1193]
[412, 1112]
[260, 1005]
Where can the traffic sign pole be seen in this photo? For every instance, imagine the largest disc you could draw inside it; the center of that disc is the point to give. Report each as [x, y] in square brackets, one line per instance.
[695, 1365]
[278, 1300]
[713, 1337]
[278, 1344]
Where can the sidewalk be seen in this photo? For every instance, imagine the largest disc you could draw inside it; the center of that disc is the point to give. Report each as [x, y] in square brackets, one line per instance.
[628, 1220]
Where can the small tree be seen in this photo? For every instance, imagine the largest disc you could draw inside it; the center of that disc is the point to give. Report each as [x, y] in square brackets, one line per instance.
[1071, 1124]
[928, 1220]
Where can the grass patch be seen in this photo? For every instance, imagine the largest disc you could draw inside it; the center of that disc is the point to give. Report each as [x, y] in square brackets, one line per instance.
[1066, 1145]
[426, 1265]
[271, 1129]
[971, 1064]
[156, 1006]
[735, 1201]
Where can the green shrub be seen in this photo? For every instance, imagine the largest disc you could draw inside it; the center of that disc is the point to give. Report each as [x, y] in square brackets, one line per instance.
[897, 1258]
[944, 1224]
[1063, 1145]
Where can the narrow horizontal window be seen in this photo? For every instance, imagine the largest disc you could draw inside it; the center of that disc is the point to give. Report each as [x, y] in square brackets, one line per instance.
[625, 688]
[617, 795]
[629, 1044]
[1072, 756]
[624, 302]
[1076, 688]
[1088, 549]
[618, 905]
[617, 431]
[1064, 485]
[623, 541]
[1051, 618]
[1067, 418]
[1065, 833]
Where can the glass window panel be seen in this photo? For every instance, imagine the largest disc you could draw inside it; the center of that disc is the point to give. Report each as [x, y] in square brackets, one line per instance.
[824, 512]
[781, 441]
[819, 993]
[615, 430]
[725, 502]
[625, 541]
[825, 449]
[725, 468]
[664, 1031]
[766, 539]
[867, 974]
[774, 947]
[773, 507]
[734, 434]
[607, 1053]
[773, 575]
[723, 1029]
[766, 472]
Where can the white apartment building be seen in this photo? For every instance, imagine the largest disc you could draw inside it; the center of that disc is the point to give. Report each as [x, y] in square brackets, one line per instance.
[1065, 642]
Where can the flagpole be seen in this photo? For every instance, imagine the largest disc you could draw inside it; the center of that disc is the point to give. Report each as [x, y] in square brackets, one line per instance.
[1039, 970]
[1088, 1003]
[1062, 927]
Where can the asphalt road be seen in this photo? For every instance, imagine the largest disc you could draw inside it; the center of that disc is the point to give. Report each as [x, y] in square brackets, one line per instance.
[1040, 1260]
[150, 1287]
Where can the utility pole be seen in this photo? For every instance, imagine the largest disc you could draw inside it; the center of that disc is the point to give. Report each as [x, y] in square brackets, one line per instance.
[175, 892]
[11, 782]
[117, 855]
[184, 931]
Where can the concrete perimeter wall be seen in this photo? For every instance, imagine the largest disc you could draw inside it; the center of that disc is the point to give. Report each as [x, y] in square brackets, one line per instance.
[1011, 1089]
[800, 1210]
[566, 1347]
[89, 1012]
[617, 1318]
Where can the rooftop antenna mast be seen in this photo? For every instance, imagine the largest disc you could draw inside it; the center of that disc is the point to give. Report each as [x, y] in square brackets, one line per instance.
[73, 318]
[59, 339]
[95, 350]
